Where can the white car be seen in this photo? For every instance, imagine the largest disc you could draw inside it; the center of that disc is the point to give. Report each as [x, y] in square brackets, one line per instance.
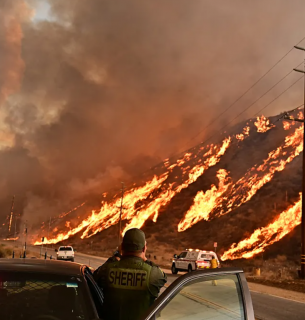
[190, 260]
[65, 253]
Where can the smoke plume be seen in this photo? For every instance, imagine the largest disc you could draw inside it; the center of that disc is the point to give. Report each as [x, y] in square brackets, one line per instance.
[99, 90]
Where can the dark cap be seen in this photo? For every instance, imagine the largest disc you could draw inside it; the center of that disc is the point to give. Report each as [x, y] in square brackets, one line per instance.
[133, 240]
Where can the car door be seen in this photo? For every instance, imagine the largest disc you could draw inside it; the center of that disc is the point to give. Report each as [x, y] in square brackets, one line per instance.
[218, 294]
[180, 260]
[95, 292]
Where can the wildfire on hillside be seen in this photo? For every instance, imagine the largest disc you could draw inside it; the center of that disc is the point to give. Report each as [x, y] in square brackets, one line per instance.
[205, 202]
[284, 223]
[144, 203]
[229, 196]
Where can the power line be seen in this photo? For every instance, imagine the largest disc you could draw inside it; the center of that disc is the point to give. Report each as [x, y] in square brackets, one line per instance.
[251, 87]
[243, 111]
[230, 106]
[267, 105]
[283, 114]
[258, 111]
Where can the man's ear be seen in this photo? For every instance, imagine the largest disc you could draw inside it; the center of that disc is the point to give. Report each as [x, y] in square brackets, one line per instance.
[145, 248]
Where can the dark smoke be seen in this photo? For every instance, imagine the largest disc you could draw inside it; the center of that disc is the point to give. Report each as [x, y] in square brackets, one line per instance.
[106, 89]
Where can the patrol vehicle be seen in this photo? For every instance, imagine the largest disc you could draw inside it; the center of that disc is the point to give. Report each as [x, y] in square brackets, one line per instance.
[193, 259]
[65, 253]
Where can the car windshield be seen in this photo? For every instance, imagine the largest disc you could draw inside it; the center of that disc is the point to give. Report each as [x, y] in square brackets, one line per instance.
[30, 295]
[65, 249]
[182, 254]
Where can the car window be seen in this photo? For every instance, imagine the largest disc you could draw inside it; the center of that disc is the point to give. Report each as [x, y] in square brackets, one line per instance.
[211, 298]
[182, 254]
[65, 249]
[30, 296]
[206, 256]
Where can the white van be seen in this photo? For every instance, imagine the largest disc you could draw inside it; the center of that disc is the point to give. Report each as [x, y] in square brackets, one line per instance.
[191, 259]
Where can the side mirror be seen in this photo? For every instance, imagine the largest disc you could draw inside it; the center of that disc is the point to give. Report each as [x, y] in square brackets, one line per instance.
[175, 256]
[56, 250]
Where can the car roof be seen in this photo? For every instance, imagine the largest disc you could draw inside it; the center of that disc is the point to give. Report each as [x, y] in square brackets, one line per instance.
[41, 266]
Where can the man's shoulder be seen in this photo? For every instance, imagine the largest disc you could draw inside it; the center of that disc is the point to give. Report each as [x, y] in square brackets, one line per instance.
[156, 271]
[150, 263]
[100, 271]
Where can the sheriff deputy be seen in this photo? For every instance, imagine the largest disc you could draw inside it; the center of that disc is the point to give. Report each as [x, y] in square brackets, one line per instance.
[132, 284]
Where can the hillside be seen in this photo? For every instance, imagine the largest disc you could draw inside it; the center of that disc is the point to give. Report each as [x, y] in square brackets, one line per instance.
[243, 189]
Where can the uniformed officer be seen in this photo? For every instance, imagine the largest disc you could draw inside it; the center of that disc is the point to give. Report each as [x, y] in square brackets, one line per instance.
[214, 265]
[132, 284]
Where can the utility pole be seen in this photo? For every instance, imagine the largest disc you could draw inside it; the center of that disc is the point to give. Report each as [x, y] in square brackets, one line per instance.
[15, 228]
[303, 178]
[121, 211]
[48, 235]
[25, 236]
[11, 215]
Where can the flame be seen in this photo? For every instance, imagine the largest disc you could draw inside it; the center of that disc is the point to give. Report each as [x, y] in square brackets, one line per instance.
[66, 213]
[287, 125]
[109, 213]
[166, 196]
[185, 158]
[11, 239]
[10, 222]
[263, 237]
[300, 115]
[230, 196]
[242, 136]
[263, 124]
[67, 224]
[204, 203]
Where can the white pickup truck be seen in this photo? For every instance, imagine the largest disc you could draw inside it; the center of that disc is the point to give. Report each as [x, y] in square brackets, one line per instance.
[65, 253]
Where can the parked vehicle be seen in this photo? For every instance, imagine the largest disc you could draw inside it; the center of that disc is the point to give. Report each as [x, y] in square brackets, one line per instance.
[190, 260]
[47, 289]
[65, 253]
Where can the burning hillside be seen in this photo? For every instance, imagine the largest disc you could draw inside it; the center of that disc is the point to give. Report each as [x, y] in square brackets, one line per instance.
[213, 185]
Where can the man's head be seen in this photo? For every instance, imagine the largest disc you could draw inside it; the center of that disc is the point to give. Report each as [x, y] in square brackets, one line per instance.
[134, 243]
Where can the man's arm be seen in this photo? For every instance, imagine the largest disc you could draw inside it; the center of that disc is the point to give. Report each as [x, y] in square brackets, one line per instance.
[157, 280]
[100, 275]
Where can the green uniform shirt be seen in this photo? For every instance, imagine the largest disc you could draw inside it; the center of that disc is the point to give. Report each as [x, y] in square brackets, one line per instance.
[130, 287]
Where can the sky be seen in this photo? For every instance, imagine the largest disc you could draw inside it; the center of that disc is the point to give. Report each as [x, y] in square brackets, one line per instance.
[95, 92]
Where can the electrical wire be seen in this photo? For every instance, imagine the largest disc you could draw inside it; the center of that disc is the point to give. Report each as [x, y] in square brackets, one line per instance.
[249, 89]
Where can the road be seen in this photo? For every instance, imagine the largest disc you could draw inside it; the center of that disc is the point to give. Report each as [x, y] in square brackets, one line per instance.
[266, 307]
